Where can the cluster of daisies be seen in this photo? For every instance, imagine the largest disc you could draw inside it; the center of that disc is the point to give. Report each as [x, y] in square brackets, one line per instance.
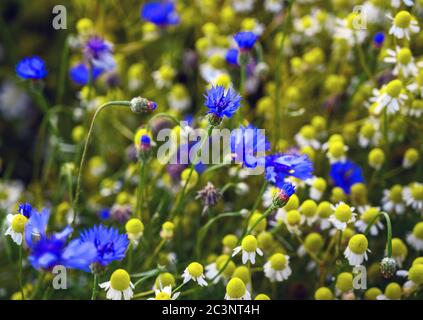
[332, 183]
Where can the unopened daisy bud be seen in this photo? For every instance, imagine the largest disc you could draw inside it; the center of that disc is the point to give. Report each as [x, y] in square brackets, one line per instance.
[293, 218]
[376, 158]
[277, 268]
[372, 293]
[243, 273]
[313, 242]
[167, 230]
[194, 272]
[344, 282]
[393, 291]
[415, 274]
[119, 286]
[399, 250]
[140, 105]
[249, 248]
[213, 269]
[356, 252]
[163, 280]
[236, 290]
[319, 123]
[309, 209]
[84, 26]
[78, 133]
[257, 217]
[323, 293]
[317, 189]
[337, 195]
[324, 211]
[411, 156]
[192, 180]
[134, 228]
[359, 194]
[285, 192]
[265, 240]
[262, 296]
[229, 243]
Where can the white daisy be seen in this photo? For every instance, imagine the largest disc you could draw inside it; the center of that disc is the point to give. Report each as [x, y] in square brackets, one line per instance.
[415, 238]
[194, 272]
[389, 97]
[368, 214]
[119, 286]
[165, 294]
[277, 268]
[413, 196]
[403, 24]
[16, 227]
[397, 3]
[273, 6]
[356, 251]
[249, 248]
[392, 201]
[403, 60]
[343, 214]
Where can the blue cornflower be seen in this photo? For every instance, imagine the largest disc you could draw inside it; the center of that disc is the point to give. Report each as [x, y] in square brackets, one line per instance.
[109, 243]
[378, 39]
[346, 174]
[160, 13]
[25, 209]
[80, 74]
[279, 166]
[99, 52]
[245, 40]
[222, 103]
[287, 189]
[31, 68]
[248, 146]
[104, 214]
[47, 251]
[232, 56]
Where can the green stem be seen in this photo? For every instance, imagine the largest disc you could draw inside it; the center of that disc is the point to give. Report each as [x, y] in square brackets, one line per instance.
[278, 72]
[62, 72]
[258, 199]
[389, 231]
[197, 156]
[95, 287]
[140, 194]
[20, 272]
[38, 284]
[84, 152]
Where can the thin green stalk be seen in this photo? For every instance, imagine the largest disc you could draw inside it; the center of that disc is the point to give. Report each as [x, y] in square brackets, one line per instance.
[278, 72]
[38, 284]
[20, 272]
[84, 152]
[197, 156]
[62, 73]
[140, 194]
[95, 287]
[389, 231]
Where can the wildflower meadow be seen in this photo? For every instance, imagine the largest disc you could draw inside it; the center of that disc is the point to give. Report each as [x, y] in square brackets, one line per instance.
[211, 150]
